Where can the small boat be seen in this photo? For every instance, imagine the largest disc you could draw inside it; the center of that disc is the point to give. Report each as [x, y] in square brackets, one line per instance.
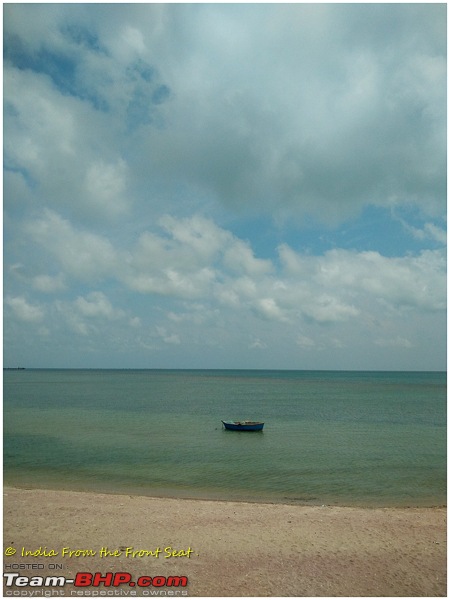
[243, 425]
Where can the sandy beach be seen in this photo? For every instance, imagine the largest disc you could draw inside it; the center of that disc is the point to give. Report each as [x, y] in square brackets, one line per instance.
[224, 548]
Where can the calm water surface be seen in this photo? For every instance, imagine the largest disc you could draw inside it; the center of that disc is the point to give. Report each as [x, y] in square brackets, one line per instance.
[346, 438]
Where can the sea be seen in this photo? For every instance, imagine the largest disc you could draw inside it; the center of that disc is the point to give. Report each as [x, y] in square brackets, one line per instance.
[345, 438]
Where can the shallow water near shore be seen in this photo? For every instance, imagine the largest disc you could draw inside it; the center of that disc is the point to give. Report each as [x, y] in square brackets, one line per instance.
[344, 438]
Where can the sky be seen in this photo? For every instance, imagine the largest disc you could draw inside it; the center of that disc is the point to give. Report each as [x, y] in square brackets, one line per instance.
[225, 186]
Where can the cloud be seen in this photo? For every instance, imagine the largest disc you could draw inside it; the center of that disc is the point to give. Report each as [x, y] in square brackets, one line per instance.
[435, 233]
[68, 100]
[428, 231]
[192, 296]
[97, 305]
[168, 338]
[340, 126]
[328, 308]
[106, 187]
[242, 104]
[269, 309]
[49, 284]
[257, 344]
[23, 310]
[305, 341]
[80, 253]
[89, 315]
[184, 262]
[193, 258]
[239, 258]
[213, 180]
[399, 342]
[400, 282]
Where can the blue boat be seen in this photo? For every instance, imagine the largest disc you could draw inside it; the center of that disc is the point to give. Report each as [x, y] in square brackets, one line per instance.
[243, 425]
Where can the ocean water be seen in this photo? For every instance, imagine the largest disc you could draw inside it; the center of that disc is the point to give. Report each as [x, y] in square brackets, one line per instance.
[337, 438]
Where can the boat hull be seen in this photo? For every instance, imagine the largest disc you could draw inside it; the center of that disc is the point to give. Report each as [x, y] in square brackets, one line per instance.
[243, 425]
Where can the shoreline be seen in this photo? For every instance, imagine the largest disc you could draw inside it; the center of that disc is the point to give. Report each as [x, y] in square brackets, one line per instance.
[210, 498]
[233, 548]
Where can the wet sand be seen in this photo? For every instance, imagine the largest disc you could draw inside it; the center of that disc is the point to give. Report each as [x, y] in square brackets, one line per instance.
[225, 548]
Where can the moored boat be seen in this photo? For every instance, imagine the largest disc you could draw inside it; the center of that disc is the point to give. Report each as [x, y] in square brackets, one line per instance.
[243, 425]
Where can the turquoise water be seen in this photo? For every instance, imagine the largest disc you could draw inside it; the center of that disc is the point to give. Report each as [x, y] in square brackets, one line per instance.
[345, 438]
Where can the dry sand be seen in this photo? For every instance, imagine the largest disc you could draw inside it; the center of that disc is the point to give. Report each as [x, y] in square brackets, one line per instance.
[231, 548]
